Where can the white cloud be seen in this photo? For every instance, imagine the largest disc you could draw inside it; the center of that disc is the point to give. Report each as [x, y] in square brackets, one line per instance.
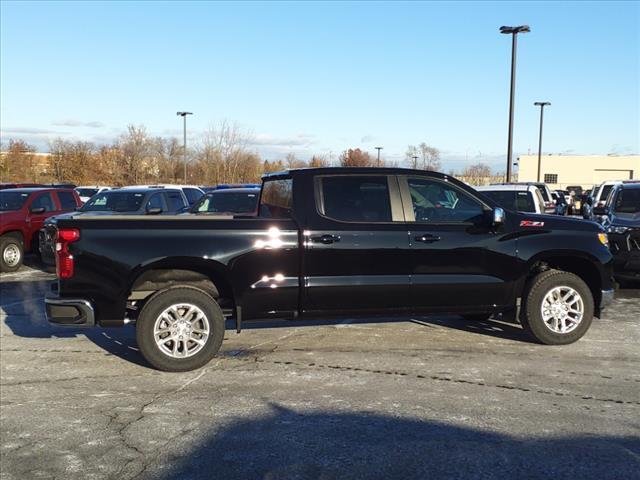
[78, 123]
[265, 139]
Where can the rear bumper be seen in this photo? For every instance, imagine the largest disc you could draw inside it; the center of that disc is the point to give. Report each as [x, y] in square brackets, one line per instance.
[73, 312]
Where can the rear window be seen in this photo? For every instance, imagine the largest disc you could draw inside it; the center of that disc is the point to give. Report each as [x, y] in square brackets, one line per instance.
[11, 201]
[67, 200]
[276, 200]
[86, 192]
[512, 200]
[114, 202]
[355, 198]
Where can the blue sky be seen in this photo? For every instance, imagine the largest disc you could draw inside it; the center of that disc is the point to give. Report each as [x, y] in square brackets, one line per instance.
[322, 77]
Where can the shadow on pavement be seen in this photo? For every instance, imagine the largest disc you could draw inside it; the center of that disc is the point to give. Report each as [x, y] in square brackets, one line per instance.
[327, 445]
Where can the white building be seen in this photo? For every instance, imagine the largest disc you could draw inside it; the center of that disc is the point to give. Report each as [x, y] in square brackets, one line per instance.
[561, 171]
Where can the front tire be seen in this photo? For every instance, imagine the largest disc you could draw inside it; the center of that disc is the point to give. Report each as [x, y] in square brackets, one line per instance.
[180, 329]
[11, 253]
[557, 308]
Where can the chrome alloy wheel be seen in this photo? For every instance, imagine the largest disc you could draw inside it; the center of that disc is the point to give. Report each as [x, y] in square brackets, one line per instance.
[562, 309]
[181, 330]
[11, 255]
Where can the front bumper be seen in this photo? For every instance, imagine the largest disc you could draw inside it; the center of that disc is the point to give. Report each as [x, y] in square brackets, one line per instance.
[72, 312]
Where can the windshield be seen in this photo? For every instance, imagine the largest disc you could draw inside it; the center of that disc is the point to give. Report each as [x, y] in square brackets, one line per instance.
[114, 202]
[86, 192]
[240, 202]
[10, 201]
[511, 200]
[628, 201]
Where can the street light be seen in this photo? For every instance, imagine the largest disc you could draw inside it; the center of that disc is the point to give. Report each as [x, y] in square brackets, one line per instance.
[541, 105]
[415, 161]
[513, 31]
[184, 145]
[379, 148]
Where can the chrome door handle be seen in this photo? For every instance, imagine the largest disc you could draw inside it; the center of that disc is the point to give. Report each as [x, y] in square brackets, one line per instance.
[325, 239]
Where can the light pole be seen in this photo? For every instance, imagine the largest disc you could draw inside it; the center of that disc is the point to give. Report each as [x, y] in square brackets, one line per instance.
[184, 145]
[379, 148]
[541, 105]
[415, 162]
[513, 31]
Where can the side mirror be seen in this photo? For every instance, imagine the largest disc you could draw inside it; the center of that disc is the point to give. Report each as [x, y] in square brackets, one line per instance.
[498, 216]
[154, 211]
[37, 210]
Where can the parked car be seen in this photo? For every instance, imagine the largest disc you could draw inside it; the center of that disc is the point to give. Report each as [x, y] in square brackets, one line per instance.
[521, 198]
[229, 201]
[22, 214]
[118, 201]
[327, 242]
[549, 205]
[620, 216]
[87, 192]
[4, 186]
[191, 192]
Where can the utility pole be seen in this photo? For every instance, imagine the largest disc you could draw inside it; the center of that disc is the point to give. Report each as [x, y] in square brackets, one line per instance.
[379, 148]
[541, 105]
[513, 31]
[184, 144]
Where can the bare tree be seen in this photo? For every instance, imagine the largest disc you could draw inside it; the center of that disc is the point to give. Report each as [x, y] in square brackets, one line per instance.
[477, 174]
[19, 162]
[318, 161]
[356, 158]
[428, 158]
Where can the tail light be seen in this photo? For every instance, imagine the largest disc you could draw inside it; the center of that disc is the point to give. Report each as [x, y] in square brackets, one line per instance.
[64, 259]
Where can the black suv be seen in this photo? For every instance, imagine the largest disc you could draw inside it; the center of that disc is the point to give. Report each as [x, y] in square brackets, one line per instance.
[621, 218]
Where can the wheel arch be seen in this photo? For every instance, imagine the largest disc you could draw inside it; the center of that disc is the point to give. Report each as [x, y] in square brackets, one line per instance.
[579, 263]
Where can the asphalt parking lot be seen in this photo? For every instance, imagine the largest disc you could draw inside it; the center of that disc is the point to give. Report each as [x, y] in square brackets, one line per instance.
[421, 397]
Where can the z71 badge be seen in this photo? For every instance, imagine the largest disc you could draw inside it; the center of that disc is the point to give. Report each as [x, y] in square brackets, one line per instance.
[531, 223]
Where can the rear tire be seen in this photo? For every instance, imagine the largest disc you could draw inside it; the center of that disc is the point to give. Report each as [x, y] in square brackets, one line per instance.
[11, 253]
[180, 329]
[557, 308]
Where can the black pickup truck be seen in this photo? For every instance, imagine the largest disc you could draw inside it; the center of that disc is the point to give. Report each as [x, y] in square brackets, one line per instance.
[329, 242]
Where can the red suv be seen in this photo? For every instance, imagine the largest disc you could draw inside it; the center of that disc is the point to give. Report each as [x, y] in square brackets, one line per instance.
[22, 213]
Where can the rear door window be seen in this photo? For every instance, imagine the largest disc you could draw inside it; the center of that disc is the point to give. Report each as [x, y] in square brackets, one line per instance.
[174, 201]
[352, 198]
[192, 194]
[45, 200]
[276, 200]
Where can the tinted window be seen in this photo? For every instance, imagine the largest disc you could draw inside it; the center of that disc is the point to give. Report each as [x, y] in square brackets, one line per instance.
[543, 191]
[229, 202]
[606, 189]
[155, 201]
[86, 192]
[192, 194]
[512, 200]
[438, 202]
[175, 201]
[114, 201]
[67, 200]
[10, 201]
[45, 200]
[356, 199]
[628, 201]
[276, 200]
